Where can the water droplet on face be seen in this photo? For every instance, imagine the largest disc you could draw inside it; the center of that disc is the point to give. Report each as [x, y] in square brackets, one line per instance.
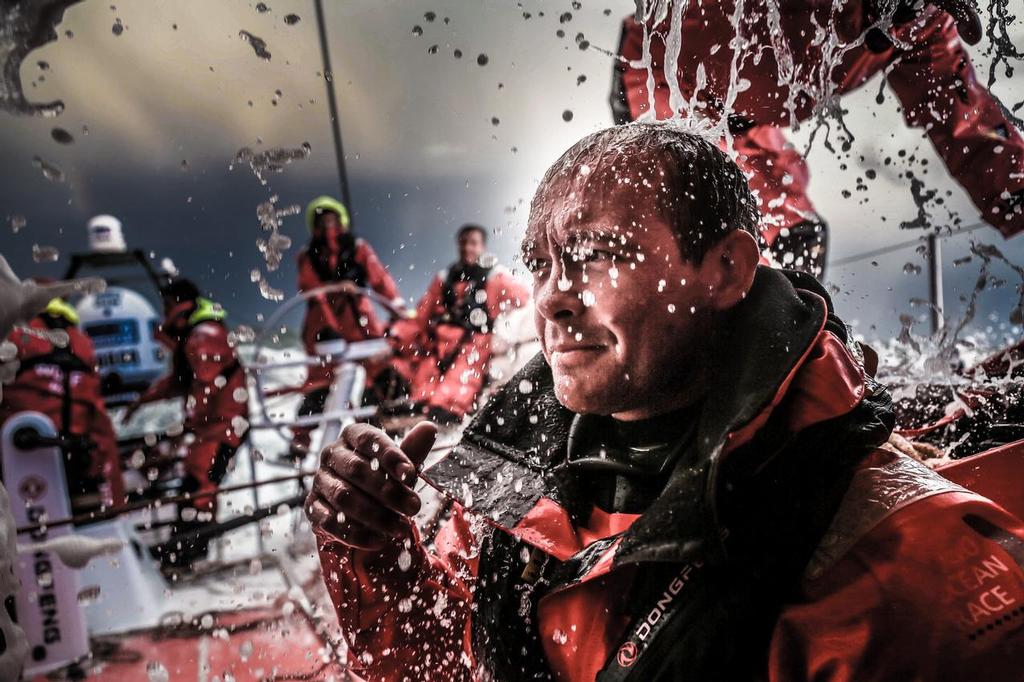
[525, 386]
[44, 254]
[588, 298]
[240, 395]
[374, 464]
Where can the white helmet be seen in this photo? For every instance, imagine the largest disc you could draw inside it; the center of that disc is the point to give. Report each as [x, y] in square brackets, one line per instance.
[105, 234]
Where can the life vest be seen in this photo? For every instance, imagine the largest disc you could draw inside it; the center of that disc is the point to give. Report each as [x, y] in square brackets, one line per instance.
[462, 312]
[348, 266]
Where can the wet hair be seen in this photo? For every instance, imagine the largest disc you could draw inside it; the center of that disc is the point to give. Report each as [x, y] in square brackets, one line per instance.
[179, 289]
[702, 194]
[468, 228]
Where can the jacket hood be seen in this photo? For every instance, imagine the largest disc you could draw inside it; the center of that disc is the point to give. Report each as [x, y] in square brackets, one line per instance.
[513, 453]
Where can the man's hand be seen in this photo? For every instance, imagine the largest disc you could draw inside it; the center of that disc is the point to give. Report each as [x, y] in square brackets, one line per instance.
[362, 494]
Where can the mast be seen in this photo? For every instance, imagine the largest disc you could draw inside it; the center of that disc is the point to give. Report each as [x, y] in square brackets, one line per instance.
[332, 104]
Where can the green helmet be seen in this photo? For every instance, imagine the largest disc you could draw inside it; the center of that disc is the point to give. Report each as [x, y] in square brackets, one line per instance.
[326, 204]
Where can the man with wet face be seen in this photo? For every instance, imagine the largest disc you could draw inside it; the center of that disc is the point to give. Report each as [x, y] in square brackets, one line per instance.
[446, 347]
[687, 483]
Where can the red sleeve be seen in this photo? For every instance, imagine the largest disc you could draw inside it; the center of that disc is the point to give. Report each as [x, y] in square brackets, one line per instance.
[165, 387]
[308, 279]
[432, 303]
[504, 293]
[406, 623]
[940, 92]
[208, 351]
[106, 460]
[934, 592]
[377, 276]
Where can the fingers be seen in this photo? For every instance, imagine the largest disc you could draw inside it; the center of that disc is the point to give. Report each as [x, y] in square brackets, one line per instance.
[417, 443]
[360, 506]
[359, 473]
[350, 533]
[373, 444]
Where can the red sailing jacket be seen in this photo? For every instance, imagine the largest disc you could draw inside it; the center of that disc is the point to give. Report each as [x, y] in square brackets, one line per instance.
[352, 318]
[201, 356]
[932, 77]
[446, 358]
[503, 293]
[39, 387]
[915, 578]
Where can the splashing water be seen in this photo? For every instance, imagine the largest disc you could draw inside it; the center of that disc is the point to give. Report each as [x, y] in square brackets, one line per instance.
[259, 46]
[156, 672]
[50, 171]
[271, 160]
[45, 254]
[25, 26]
[1003, 49]
[275, 244]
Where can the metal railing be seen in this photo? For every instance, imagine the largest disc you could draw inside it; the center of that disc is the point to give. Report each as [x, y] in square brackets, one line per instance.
[934, 244]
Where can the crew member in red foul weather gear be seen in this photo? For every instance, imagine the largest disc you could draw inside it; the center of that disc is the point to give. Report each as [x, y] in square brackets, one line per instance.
[63, 383]
[206, 372]
[448, 344]
[922, 59]
[687, 483]
[335, 255]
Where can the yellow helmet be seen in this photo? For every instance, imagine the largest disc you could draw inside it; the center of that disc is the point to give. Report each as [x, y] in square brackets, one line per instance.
[324, 204]
[58, 307]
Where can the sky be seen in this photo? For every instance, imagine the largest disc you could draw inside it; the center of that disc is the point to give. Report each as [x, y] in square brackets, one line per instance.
[159, 110]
